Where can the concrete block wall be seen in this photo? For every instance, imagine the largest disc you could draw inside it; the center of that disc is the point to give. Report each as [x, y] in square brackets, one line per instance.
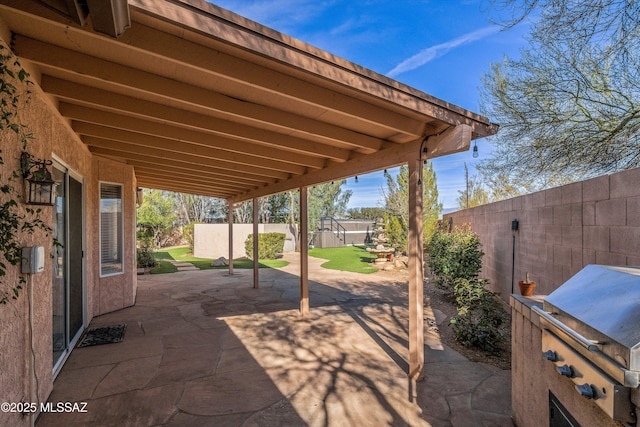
[561, 230]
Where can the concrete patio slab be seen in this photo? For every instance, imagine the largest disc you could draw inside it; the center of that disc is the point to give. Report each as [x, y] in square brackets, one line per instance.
[203, 348]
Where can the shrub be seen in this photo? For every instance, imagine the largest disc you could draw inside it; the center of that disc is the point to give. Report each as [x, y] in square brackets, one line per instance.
[454, 255]
[270, 245]
[397, 233]
[145, 257]
[455, 260]
[479, 317]
[187, 234]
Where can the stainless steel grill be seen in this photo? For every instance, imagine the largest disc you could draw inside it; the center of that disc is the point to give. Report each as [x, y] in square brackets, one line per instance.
[591, 332]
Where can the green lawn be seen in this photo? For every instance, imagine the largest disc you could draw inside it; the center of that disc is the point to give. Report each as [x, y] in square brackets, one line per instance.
[347, 258]
[184, 254]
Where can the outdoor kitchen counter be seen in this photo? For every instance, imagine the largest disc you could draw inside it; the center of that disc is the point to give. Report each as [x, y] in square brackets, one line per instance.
[523, 306]
[534, 380]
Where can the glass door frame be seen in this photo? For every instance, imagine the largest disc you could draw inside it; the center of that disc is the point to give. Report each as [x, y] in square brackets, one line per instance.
[71, 341]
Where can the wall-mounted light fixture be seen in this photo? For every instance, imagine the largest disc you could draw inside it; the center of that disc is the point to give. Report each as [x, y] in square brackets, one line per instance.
[41, 184]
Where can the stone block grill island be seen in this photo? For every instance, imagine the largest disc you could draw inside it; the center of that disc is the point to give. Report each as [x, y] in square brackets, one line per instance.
[591, 332]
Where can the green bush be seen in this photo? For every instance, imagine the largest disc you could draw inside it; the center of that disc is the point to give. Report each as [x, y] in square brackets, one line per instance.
[145, 257]
[397, 232]
[455, 260]
[454, 255]
[479, 317]
[187, 233]
[270, 245]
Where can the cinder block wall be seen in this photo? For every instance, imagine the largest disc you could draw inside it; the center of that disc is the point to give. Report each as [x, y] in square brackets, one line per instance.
[560, 231]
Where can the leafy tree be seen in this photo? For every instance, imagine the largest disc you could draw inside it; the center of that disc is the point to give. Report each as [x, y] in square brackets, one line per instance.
[569, 108]
[396, 198]
[372, 214]
[199, 209]
[243, 213]
[278, 208]
[474, 193]
[156, 216]
[327, 199]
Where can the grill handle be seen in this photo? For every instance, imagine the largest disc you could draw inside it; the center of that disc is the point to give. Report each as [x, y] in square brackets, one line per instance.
[579, 339]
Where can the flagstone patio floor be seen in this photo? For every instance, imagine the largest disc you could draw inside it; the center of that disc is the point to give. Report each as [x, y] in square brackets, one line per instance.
[203, 348]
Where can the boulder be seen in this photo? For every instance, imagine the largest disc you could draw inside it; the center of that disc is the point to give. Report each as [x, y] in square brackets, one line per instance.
[220, 262]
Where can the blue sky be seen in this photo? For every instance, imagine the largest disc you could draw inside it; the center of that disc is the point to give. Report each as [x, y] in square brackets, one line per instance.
[442, 47]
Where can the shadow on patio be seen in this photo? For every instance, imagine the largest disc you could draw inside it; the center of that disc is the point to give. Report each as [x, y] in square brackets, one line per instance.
[203, 348]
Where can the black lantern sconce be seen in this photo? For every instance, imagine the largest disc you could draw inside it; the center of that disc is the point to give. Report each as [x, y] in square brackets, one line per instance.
[41, 184]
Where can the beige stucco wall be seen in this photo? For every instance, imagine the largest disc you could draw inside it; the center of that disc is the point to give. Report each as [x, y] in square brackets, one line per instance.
[212, 240]
[561, 230]
[117, 291]
[52, 138]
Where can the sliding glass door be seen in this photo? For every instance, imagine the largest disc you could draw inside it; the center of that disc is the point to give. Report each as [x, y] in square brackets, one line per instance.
[68, 265]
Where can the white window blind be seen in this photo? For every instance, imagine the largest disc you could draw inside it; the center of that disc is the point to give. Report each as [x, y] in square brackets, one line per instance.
[111, 247]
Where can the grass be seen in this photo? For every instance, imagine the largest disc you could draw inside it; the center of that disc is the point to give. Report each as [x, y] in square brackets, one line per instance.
[183, 254]
[348, 258]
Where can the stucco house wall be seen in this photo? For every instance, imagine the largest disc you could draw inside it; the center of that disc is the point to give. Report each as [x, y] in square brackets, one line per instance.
[54, 139]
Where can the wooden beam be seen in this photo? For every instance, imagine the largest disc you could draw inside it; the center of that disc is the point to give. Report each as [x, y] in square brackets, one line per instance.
[130, 150]
[201, 64]
[277, 47]
[185, 146]
[182, 186]
[187, 189]
[94, 117]
[304, 252]
[98, 99]
[256, 261]
[230, 220]
[54, 59]
[416, 278]
[159, 174]
[169, 167]
[452, 140]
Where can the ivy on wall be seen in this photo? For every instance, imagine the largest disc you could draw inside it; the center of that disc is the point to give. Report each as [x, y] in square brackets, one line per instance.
[16, 219]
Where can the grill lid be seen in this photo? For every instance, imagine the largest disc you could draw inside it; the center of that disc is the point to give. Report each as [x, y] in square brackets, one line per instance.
[602, 303]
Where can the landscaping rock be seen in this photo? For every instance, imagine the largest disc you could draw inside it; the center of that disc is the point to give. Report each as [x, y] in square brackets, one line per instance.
[220, 262]
[399, 263]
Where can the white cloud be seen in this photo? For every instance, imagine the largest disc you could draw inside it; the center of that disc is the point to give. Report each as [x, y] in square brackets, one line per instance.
[436, 51]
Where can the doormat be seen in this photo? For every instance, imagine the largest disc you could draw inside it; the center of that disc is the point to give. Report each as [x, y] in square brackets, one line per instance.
[104, 335]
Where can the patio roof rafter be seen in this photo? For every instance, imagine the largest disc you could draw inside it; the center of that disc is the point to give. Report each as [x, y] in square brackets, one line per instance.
[80, 101]
[79, 67]
[101, 124]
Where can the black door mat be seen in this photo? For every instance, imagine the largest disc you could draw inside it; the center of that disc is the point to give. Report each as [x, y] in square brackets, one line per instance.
[103, 335]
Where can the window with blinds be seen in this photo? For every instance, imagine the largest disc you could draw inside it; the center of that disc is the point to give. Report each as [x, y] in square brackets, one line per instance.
[111, 247]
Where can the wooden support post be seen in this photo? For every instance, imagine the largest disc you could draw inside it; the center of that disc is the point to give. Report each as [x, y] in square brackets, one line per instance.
[304, 253]
[230, 220]
[256, 265]
[416, 277]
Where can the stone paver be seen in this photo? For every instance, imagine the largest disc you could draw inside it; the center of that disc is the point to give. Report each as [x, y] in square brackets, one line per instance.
[206, 349]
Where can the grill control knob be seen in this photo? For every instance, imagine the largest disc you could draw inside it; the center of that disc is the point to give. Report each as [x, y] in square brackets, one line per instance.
[565, 370]
[587, 391]
[550, 355]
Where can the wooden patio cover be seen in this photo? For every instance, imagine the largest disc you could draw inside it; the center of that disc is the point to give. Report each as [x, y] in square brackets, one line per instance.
[201, 100]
